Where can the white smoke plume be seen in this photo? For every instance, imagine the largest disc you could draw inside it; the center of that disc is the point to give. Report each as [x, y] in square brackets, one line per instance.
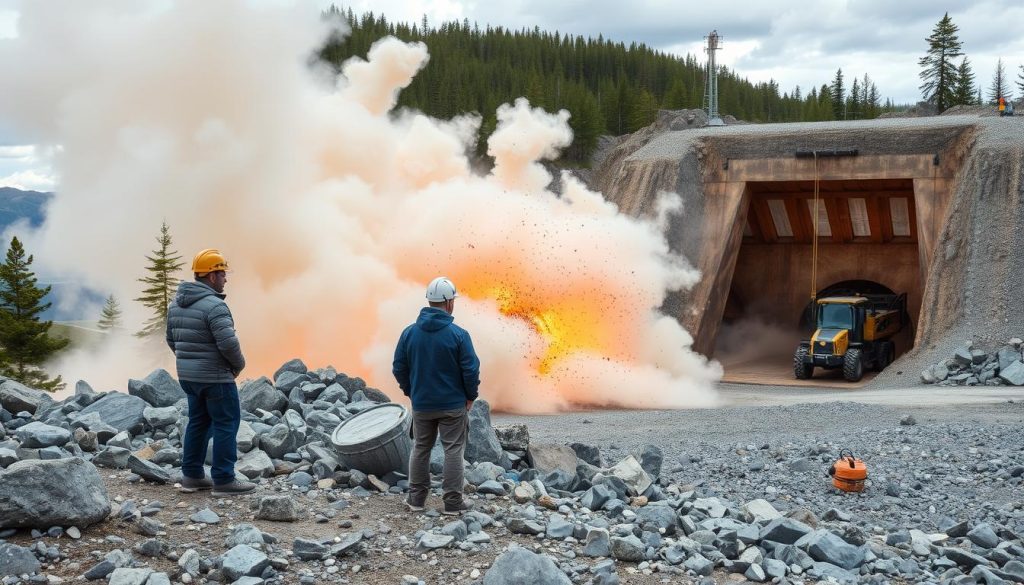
[333, 210]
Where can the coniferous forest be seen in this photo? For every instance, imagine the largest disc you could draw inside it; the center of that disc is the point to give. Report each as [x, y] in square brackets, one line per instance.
[609, 87]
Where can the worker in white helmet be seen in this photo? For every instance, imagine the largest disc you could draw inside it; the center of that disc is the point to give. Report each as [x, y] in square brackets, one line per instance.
[437, 368]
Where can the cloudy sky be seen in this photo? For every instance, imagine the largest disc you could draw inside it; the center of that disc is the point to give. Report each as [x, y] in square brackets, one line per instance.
[794, 42]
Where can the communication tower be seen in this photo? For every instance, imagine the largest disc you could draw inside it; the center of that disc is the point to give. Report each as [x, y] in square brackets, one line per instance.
[711, 84]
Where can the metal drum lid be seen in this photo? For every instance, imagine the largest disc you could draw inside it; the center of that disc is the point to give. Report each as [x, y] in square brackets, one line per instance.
[369, 424]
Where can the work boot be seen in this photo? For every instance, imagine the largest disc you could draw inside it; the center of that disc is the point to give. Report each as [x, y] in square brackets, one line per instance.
[191, 485]
[456, 508]
[234, 488]
[415, 506]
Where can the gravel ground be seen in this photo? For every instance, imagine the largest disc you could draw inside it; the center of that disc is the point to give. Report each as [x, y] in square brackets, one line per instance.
[953, 465]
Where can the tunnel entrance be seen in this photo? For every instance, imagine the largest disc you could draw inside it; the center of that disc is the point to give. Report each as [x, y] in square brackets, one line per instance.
[867, 244]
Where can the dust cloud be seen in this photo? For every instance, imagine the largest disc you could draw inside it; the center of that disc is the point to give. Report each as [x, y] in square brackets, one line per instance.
[333, 209]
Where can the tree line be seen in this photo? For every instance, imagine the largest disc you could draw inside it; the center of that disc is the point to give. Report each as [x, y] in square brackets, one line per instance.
[26, 342]
[609, 87]
[947, 83]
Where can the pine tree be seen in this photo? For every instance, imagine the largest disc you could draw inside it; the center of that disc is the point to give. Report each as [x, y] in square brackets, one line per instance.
[1020, 79]
[1000, 87]
[963, 93]
[853, 104]
[160, 284]
[110, 318]
[838, 92]
[25, 341]
[938, 72]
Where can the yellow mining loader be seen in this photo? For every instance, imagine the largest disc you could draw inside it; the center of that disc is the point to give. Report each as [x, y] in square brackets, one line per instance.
[853, 333]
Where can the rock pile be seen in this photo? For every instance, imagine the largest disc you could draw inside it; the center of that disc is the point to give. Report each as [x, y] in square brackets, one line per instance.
[972, 366]
[556, 513]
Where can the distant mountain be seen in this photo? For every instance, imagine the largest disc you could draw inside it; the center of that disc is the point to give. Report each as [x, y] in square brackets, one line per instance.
[16, 204]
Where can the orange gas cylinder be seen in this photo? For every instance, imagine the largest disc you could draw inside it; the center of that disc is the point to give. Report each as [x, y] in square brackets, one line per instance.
[848, 473]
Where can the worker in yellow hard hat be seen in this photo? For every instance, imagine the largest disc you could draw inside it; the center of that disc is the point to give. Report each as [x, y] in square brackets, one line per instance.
[201, 333]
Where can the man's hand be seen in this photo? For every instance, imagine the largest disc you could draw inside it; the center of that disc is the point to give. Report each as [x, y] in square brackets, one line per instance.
[469, 404]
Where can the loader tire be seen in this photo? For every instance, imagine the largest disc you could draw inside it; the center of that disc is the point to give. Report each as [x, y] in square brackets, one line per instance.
[801, 369]
[886, 355]
[853, 366]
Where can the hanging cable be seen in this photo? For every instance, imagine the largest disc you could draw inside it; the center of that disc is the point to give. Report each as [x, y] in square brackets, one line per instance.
[814, 240]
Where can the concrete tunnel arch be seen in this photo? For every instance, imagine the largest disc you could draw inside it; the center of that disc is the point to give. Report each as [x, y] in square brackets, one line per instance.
[759, 259]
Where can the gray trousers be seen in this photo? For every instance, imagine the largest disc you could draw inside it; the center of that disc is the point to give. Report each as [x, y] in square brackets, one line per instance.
[453, 426]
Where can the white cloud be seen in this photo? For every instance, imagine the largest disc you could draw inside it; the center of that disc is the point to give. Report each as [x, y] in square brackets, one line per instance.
[8, 24]
[30, 180]
[23, 152]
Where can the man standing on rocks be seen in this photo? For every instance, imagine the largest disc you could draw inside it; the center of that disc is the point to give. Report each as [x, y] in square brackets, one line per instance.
[201, 333]
[437, 368]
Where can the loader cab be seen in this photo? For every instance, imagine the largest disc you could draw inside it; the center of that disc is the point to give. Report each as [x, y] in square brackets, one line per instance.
[842, 313]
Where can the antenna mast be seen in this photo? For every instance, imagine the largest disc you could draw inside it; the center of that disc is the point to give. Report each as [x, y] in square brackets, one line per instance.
[711, 85]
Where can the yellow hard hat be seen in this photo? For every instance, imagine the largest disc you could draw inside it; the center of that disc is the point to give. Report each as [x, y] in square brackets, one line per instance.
[209, 260]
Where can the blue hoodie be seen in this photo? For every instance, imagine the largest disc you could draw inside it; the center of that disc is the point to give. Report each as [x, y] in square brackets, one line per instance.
[435, 363]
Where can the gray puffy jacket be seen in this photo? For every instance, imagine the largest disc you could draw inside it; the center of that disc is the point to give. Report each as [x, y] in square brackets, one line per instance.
[201, 333]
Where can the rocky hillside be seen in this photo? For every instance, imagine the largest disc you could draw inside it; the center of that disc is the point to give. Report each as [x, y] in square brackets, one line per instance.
[16, 204]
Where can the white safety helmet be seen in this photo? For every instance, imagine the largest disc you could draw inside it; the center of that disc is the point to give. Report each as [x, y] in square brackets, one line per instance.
[440, 290]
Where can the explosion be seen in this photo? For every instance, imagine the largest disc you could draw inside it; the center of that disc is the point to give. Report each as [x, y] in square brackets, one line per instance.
[334, 209]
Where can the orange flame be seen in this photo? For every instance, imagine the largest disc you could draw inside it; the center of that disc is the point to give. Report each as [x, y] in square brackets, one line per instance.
[568, 326]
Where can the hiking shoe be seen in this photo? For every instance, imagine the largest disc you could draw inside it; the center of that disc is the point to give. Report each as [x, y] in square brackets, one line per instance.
[193, 484]
[414, 506]
[454, 509]
[234, 488]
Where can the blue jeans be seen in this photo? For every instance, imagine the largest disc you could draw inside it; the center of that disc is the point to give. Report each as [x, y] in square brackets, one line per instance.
[213, 409]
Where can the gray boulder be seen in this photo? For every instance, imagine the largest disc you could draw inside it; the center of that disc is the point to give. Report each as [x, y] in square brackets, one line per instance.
[826, 547]
[984, 536]
[310, 550]
[36, 435]
[335, 393]
[255, 464]
[655, 518]
[598, 543]
[93, 423]
[16, 560]
[785, 530]
[589, 453]
[282, 439]
[289, 380]
[278, 509]
[548, 457]
[244, 561]
[628, 548]
[158, 389]
[41, 494]
[260, 394]
[296, 366]
[1013, 374]
[244, 534]
[148, 470]
[119, 410]
[482, 444]
[16, 397]
[157, 418]
[596, 496]
[483, 472]
[651, 459]
[513, 437]
[112, 457]
[128, 576]
[518, 565]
